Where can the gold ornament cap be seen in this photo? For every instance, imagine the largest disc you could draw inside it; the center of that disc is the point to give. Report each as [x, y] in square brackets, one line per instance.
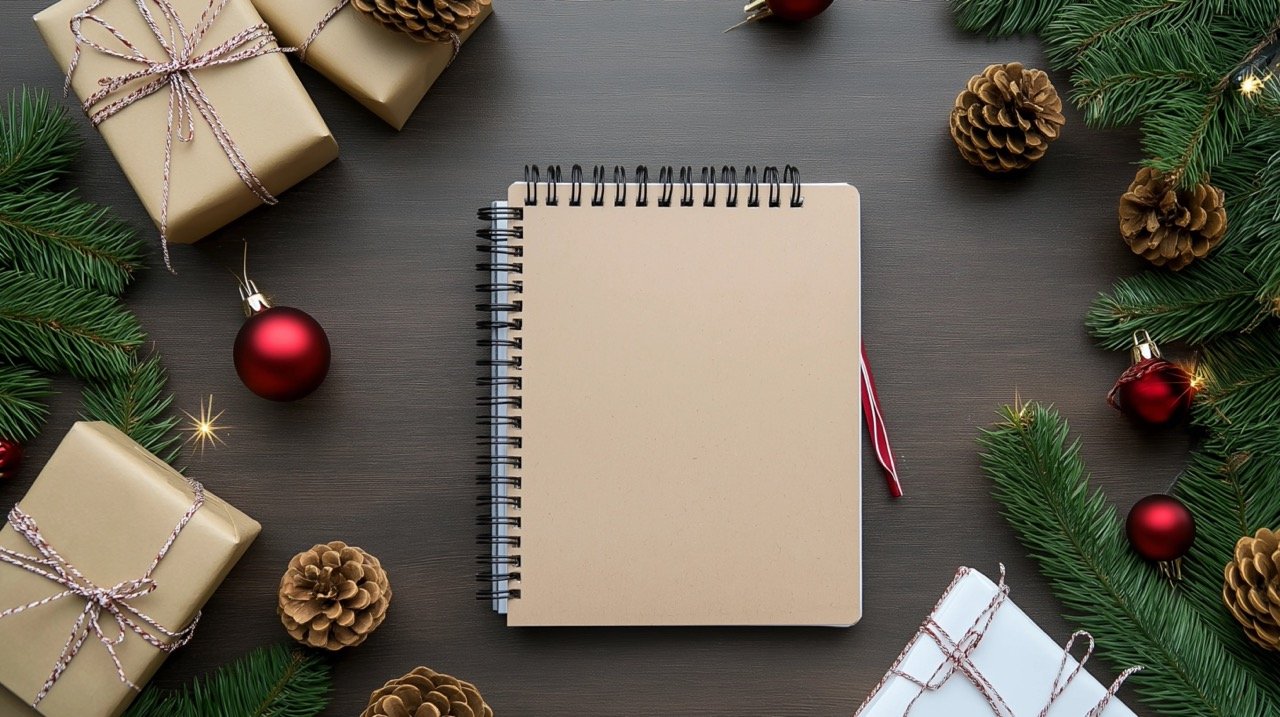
[1144, 347]
[254, 301]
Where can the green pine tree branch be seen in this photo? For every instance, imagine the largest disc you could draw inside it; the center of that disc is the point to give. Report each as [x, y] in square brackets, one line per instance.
[58, 328]
[136, 403]
[58, 236]
[1229, 484]
[1082, 27]
[276, 681]
[1005, 17]
[1203, 301]
[38, 141]
[1078, 540]
[22, 407]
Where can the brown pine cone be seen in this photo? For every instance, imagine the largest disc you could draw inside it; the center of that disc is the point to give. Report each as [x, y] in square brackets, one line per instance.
[1252, 587]
[425, 20]
[1168, 226]
[333, 596]
[1006, 117]
[427, 693]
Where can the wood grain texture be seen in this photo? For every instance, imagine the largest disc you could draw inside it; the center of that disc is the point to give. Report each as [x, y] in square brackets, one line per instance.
[974, 288]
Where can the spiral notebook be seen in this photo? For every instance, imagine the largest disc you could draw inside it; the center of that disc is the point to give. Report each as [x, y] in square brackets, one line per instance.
[672, 399]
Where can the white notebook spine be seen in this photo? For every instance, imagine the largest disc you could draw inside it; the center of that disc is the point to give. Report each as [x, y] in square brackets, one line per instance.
[501, 405]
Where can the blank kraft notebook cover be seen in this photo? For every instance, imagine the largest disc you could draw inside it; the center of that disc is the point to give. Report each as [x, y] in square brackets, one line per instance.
[673, 401]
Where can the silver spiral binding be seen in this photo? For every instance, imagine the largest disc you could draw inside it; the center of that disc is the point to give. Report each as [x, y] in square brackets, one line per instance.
[502, 290]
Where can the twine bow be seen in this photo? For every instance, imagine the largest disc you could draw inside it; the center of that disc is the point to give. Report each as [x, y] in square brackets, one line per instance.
[454, 39]
[113, 600]
[957, 655]
[176, 72]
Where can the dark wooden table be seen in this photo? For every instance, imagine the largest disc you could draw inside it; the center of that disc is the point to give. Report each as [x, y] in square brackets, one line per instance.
[974, 289]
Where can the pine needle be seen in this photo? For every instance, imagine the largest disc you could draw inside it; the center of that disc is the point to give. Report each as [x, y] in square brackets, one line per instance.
[22, 407]
[1106, 588]
[135, 402]
[274, 681]
[1005, 17]
[58, 236]
[38, 141]
[59, 328]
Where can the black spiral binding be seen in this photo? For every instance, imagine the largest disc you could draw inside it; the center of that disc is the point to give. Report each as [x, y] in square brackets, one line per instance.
[502, 304]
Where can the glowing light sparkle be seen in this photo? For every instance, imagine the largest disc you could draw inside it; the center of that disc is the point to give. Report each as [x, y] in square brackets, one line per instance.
[204, 429]
[1252, 84]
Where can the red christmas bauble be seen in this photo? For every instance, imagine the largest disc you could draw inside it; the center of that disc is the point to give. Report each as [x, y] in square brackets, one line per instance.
[10, 458]
[1153, 392]
[281, 353]
[1160, 528]
[797, 10]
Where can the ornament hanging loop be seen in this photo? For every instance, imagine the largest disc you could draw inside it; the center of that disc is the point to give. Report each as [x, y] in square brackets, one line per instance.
[1171, 570]
[1144, 347]
[253, 300]
[755, 10]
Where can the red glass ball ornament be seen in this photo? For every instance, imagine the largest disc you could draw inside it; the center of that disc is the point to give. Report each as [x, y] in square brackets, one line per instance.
[797, 10]
[10, 458]
[281, 353]
[1153, 392]
[1160, 528]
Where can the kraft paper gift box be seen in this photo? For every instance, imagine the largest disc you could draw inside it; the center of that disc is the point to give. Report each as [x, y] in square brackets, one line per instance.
[1013, 655]
[268, 117]
[386, 71]
[107, 506]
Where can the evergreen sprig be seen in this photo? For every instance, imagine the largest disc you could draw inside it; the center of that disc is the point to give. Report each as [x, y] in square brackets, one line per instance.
[275, 681]
[63, 262]
[1079, 542]
[38, 141]
[60, 328]
[136, 403]
[55, 234]
[22, 407]
[1001, 17]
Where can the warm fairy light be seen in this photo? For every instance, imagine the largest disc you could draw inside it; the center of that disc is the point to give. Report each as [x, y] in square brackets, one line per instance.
[1252, 84]
[204, 429]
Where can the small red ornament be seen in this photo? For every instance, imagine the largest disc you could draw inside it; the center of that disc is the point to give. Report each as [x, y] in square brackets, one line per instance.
[10, 458]
[789, 10]
[1153, 391]
[281, 353]
[1162, 529]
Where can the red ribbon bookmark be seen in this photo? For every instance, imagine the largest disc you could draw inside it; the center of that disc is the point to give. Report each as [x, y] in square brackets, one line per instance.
[875, 425]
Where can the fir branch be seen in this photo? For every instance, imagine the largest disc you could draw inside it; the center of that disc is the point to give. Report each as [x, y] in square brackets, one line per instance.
[38, 141]
[135, 402]
[22, 408]
[1230, 483]
[1005, 17]
[1078, 28]
[275, 681]
[1231, 495]
[1205, 300]
[58, 236]
[1077, 538]
[61, 328]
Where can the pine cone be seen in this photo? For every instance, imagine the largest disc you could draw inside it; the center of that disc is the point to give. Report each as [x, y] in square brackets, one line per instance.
[333, 596]
[1169, 226]
[427, 693]
[424, 20]
[1252, 587]
[1006, 117]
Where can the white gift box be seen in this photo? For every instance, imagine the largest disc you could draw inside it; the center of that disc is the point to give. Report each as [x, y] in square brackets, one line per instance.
[1020, 665]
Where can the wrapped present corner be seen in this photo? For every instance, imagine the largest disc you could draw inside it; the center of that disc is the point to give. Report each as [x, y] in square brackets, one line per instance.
[205, 128]
[104, 566]
[978, 654]
[387, 71]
